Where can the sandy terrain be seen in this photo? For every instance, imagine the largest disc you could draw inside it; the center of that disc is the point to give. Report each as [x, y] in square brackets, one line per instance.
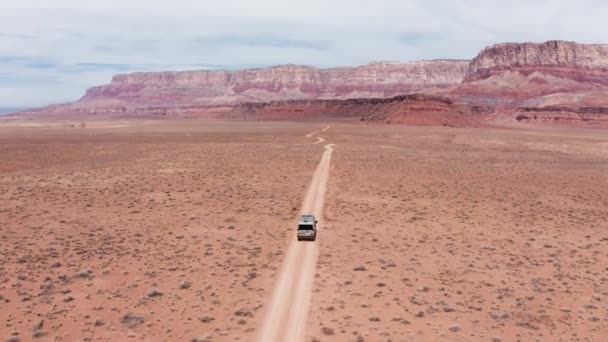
[181, 230]
[434, 234]
[155, 231]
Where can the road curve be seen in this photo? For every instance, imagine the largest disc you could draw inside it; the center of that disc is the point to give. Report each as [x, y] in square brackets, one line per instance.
[309, 135]
[286, 315]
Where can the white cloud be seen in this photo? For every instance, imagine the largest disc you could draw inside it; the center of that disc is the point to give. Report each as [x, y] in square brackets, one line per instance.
[129, 35]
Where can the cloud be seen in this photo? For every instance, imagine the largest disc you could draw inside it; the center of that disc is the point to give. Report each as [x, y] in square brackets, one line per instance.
[66, 46]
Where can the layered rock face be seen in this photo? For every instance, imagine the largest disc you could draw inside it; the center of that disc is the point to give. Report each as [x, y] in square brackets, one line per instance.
[222, 87]
[578, 62]
[416, 109]
[589, 108]
[564, 116]
[518, 79]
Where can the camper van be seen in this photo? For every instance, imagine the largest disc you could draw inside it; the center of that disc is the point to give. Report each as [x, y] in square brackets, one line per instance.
[307, 228]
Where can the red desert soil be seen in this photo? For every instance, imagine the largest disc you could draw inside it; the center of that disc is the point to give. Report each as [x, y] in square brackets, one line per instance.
[443, 234]
[177, 230]
[155, 231]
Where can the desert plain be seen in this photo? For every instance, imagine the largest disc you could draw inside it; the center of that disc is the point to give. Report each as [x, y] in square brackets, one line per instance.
[176, 230]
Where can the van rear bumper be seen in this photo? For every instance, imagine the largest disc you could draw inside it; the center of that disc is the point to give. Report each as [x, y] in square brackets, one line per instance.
[309, 237]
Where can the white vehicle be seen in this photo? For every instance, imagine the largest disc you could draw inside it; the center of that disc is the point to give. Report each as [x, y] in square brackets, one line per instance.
[307, 228]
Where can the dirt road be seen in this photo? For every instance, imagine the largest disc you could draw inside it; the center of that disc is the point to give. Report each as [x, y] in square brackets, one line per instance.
[287, 313]
[309, 135]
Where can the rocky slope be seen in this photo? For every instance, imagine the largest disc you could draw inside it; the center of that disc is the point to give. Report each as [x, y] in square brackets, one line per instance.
[578, 62]
[516, 79]
[588, 108]
[223, 87]
[556, 83]
[517, 72]
[564, 116]
[416, 109]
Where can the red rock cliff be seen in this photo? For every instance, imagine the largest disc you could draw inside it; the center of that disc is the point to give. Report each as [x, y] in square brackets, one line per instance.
[222, 87]
[578, 62]
[552, 82]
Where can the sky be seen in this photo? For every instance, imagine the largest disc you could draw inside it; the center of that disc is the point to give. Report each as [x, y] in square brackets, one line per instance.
[51, 51]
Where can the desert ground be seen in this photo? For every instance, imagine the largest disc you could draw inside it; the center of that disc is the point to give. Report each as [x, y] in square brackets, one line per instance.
[435, 234]
[180, 230]
[149, 231]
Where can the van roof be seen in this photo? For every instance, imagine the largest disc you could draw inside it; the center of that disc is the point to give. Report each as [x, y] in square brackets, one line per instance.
[307, 219]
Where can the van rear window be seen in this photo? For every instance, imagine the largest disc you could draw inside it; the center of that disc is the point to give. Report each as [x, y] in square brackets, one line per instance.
[305, 227]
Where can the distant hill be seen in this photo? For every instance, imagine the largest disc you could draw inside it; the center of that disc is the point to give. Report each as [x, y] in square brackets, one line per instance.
[8, 110]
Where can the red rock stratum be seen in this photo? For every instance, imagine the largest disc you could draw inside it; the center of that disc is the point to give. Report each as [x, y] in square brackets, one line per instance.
[415, 109]
[224, 87]
[555, 82]
[504, 83]
[578, 62]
